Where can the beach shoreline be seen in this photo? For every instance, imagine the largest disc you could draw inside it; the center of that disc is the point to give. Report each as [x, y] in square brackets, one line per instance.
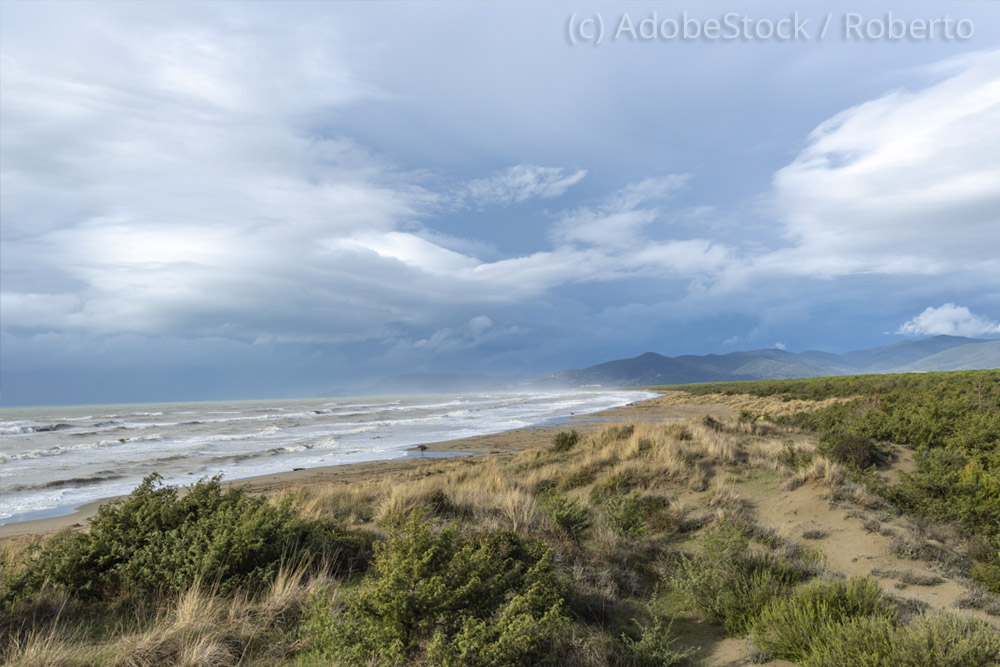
[505, 443]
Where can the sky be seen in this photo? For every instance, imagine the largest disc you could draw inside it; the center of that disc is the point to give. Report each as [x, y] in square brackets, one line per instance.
[221, 200]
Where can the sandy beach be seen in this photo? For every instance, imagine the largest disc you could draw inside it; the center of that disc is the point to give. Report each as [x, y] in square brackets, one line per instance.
[496, 444]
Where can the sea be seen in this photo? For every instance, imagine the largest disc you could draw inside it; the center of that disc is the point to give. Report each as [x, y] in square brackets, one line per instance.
[54, 459]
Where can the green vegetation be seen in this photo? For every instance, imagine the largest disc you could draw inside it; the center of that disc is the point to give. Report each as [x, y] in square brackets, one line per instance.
[591, 551]
[488, 599]
[569, 516]
[729, 582]
[655, 647]
[565, 441]
[874, 640]
[791, 627]
[950, 420]
[156, 541]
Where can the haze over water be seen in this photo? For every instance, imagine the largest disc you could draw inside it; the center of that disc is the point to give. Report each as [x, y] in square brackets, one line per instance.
[54, 459]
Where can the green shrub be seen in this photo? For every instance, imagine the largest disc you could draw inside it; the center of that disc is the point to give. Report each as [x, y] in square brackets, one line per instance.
[565, 441]
[794, 459]
[154, 540]
[988, 575]
[728, 582]
[851, 449]
[614, 484]
[787, 628]
[874, 641]
[654, 648]
[575, 479]
[863, 641]
[570, 518]
[946, 639]
[625, 514]
[711, 422]
[489, 599]
[616, 433]
[523, 634]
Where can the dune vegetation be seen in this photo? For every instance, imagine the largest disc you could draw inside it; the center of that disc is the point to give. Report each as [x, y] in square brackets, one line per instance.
[835, 521]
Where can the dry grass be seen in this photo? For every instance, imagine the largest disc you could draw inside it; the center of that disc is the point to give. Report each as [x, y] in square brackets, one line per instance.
[52, 647]
[822, 470]
[518, 511]
[767, 406]
[196, 628]
[724, 496]
[655, 459]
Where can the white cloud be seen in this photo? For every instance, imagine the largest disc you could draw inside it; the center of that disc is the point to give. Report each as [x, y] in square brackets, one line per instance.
[518, 184]
[949, 320]
[904, 184]
[162, 185]
[779, 346]
[620, 219]
[480, 329]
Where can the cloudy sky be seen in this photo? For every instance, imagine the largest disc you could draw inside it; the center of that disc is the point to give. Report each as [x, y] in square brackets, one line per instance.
[222, 200]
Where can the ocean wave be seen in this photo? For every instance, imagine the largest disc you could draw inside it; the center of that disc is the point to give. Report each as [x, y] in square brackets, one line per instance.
[228, 437]
[96, 478]
[288, 449]
[34, 428]
[64, 449]
[364, 428]
[146, 414]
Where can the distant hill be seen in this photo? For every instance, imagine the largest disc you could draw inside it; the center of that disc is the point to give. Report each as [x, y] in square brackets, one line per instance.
[937, 353]
[891, 357]
[962, 358]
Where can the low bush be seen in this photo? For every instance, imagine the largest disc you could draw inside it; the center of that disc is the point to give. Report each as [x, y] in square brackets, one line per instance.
[729, 582]
[569, 516]
[794, 459]
[614, 484]
[155, 541]
[987, 575]
[565, 441]
[788, 627]
[863, 641]
[851, 449]
[874, 641]
[581, 476]
[447, 599]
[625, 514]
[654, 647]
[615, 433]
[946, 639]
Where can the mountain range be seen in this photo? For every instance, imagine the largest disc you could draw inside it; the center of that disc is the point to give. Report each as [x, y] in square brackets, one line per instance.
[938, 353]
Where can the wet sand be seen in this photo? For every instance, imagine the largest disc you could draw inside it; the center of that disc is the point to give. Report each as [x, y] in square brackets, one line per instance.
[497, 444]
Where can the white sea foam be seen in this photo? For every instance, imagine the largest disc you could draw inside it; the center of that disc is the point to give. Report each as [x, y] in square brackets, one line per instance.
[55, 459]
